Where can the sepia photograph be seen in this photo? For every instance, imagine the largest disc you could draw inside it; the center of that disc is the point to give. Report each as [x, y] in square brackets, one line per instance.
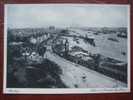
[66, 48]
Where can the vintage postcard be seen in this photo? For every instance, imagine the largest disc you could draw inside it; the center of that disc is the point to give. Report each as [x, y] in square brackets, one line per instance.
[66, 48]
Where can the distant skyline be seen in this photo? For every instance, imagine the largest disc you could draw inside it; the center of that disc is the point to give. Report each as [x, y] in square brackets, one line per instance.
[66, 15]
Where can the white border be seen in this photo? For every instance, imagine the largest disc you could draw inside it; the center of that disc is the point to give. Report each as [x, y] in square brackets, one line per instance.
[66, 90]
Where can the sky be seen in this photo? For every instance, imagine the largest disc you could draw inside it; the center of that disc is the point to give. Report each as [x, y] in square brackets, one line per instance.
[66, 15]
